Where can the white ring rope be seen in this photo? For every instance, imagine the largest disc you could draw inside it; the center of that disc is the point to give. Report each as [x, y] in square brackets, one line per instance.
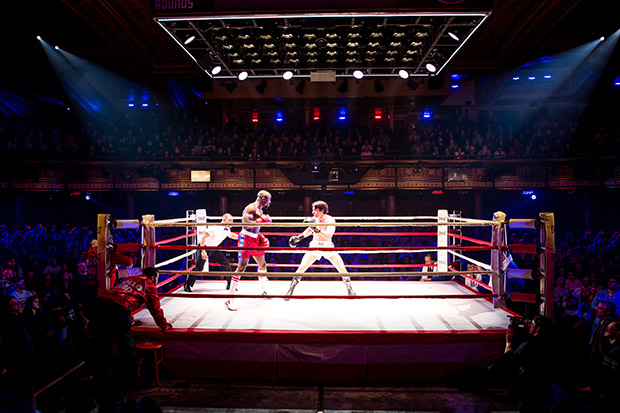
[166, 221]
[323, 224]
[466, 258]
[175, 259]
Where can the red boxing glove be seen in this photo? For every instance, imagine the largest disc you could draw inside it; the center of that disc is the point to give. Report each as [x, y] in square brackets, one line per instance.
[264, 218]
[263, 241]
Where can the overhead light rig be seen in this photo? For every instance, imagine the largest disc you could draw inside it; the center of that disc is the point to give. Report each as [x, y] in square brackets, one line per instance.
[299, 45]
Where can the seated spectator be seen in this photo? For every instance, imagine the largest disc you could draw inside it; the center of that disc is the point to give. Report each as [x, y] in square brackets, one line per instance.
[19, 291]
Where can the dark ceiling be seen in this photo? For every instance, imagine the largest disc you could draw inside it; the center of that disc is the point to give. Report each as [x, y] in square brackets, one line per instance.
[124, 36]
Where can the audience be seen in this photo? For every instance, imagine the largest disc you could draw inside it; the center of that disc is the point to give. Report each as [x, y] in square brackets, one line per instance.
[145, 135]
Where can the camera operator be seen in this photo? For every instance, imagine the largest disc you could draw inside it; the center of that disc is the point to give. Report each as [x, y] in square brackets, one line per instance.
[527, 361]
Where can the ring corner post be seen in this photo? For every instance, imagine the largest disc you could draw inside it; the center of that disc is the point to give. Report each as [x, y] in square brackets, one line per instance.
[148, 240]
[442, 240]
[498, 279]
[547, 265]
[103, 257]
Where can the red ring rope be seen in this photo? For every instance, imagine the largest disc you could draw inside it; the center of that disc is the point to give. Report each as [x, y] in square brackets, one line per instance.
[380, 234]
[339, 249]
[166, 241]
[349, 297]
[474, 240]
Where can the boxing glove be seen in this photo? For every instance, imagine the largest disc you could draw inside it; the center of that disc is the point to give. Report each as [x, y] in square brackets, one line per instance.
[294, 240]
[312, 220]
[264, 218]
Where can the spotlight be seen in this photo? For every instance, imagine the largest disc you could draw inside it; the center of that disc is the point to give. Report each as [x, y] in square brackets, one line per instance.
[216, 70]
[56, 47]
[288, 75]
[189, 40]
[242, 76]
[87, 197]
[533, 197]
[261, 87]
[453, 36]
[38, 37]
[403, 74]
[300, 87]
[358, 74]
[431, 67]
[344, 86]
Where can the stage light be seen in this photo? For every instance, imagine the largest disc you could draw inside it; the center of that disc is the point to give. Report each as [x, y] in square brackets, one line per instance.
[173, 193]
[288, 75]
[144, 105]
[189, 40]
[131, 105]
[87, 197]
[242, 76]
[38, 37]
[454, 86]
[533, 197]
[358, 74]
[602, 38]
[342, 114]
[403, 74]
[531, 78]
[547, 76]
[427, 114]
[453, 36]
[279, 116]
[216, 70]
[431, 67]
[56, 47]
[515, 78]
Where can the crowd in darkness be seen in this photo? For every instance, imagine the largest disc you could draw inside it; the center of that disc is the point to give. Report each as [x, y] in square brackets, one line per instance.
[46, 294]
[47, 276]
[151, 135]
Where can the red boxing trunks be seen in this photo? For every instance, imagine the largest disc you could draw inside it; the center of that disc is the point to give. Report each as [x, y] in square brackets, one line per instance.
[249, 239]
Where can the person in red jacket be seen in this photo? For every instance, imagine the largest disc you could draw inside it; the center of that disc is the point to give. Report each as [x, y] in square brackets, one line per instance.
[114, 318]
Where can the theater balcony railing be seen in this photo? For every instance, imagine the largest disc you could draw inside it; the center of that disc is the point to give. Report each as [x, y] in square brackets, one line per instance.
[309, 174]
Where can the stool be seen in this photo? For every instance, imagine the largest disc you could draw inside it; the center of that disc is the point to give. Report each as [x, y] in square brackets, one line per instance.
[158, 354]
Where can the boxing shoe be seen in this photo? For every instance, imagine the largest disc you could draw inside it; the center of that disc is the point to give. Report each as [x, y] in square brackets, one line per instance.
[230, 305]
[349, 288]
[292, 288]
[187, 288]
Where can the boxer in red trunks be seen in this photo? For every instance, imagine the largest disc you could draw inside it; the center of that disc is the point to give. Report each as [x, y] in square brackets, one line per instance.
[250, 236]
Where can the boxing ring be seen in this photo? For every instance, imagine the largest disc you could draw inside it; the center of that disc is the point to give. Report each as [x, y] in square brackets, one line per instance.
[393, 329]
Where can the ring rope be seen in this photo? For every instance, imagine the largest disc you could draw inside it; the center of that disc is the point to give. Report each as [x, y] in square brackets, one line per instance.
[169, 240]
[486, 286]
[330, 297]
[474, 240]
[380, 234]
[323, 224]
[356, 250]
[168, 280]
[234, 264]
[172, 220]
[174, 259]
[329, 274]
[361, 218]
[478, 263]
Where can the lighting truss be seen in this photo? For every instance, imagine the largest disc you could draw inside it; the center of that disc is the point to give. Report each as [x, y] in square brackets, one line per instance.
[378, 44]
